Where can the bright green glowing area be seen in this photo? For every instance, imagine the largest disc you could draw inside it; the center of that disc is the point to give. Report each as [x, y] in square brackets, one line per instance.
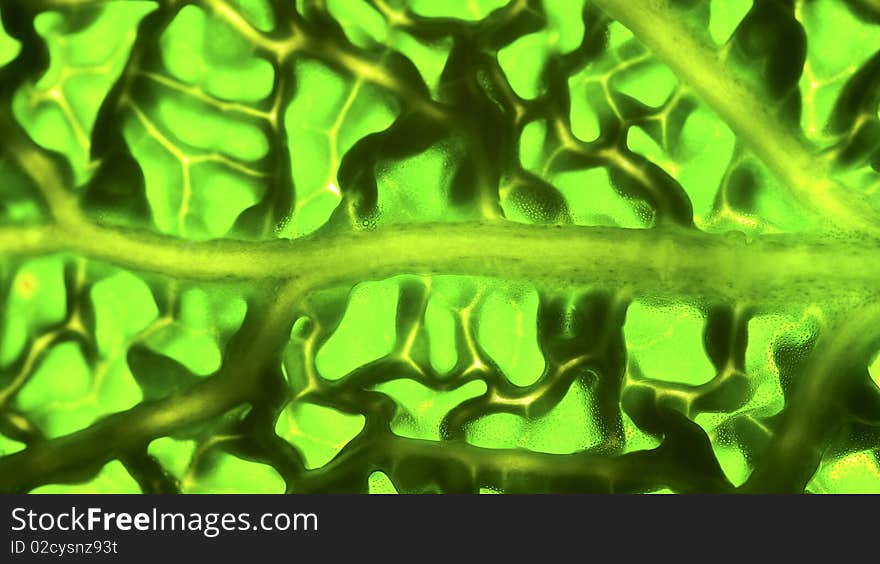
[857, 473]
[189, 152]
[194, 338]
[428, 57]
[205, 52]
[725, 16]
[655, 337]
[420, 410]
[651, 85]
[59, 110]
[327, 115]
[318, 432]
[618, 36]
[193, 126]
[523, 61]
[373, 305]
[583, 115]
[636, 439]
[461, 9]
[730, 456]
[214, 471]
[112, 479]
[416, 189]
[704, 149]
[754, 201]
[364, 25]
[175, 455]
[124, 306]
[180, 183]
[67, 393]
[531, 145]
[440, 322]
[257, 12]
[548, 433]
[380, 483]
[734, 464]
[874, 371]
[593, 200]
[9, 46]
[508, 333]
[698, 160]
[767, 334]
[832, 58]
[35, 301]
[589, 194]
[565, 23]
[230, 474]
[9, 446]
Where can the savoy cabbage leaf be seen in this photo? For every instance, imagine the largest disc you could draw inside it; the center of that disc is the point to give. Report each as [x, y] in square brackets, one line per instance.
[439, 246]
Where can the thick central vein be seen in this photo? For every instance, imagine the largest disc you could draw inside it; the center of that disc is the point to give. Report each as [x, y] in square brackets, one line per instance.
[669, 262]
